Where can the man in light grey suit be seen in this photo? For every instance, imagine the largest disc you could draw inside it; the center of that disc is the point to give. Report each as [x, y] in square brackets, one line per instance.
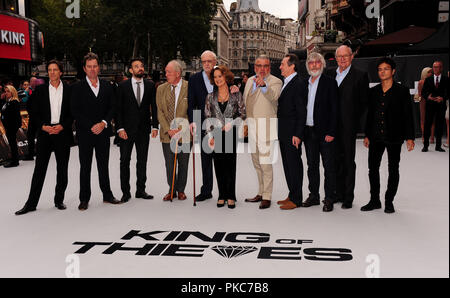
[261, 100]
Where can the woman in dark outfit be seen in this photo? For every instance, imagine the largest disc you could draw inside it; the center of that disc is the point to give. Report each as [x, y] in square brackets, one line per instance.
[224, 112]
[12, 121]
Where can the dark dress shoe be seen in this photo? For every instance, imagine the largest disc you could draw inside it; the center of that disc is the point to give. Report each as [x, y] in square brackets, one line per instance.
[83, 206]
[425, 149]
[12, 164]
[125, 198]
[112, 200]
[220, 205]
[144, 196]
[265, 204]
[311, 202]
[182, 196]
[28, 158]
[256, 199]
[232, 205]
[61, 206]
[347, 205]
[389, 208]
[327, 206]
[439, 149]
[25, 210]
[373, 205]
[203, 197]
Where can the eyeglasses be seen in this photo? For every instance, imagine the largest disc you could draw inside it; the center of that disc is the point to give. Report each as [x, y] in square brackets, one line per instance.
[315, 62]
[343, 56]
[208, 61]
[262, 66]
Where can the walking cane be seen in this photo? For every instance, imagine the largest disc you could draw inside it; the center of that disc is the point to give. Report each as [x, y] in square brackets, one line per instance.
[174, 171]
[193, 163]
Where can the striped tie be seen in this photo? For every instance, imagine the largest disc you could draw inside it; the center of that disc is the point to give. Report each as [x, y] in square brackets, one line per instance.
[171, 106]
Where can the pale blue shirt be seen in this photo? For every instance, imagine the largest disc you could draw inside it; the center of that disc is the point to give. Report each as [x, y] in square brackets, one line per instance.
[263, 89]
[209, 86]
[312, 100]
[341, 75]
[288, 80]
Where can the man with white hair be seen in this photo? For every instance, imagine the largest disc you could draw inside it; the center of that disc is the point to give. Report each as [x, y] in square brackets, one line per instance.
[172, 102]
[320, 131]
[199, 88]
[353, 93]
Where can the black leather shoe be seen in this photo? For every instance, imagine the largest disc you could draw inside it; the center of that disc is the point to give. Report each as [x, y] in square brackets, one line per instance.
[389, 208]
[220, 205]
[265, 204]
[425, 149]
[311, 202]
[125, 198]
[112, 200]
[373, 205]
[231, 206]
[61, 206]
[28, 158]
[83, 206]
[439, 149]
[144, 196]
[12, 164]
[347, 205]
[202, 197]
[25, 210]
[327, 206]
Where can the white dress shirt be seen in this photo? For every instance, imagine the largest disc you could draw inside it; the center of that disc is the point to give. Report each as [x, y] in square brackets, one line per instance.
[288, 80]
[56, 97]
[96, 90]
[209, 86]
[177, 95]
[312, 87]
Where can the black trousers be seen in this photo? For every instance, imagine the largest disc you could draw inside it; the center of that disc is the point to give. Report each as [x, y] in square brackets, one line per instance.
[11, 135]
[87, 143]
[293, 170]
[31, 136]
[181, 173]
[141, 141]
[46, 144]
[316, 147]
[345, 167]
[434, 112]
[207, 169]
[225, 159]
[376, 151]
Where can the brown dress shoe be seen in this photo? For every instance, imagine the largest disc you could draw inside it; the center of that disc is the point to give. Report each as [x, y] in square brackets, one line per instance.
[289, 206]
[182, 196]
[284, 201]
[256, 199]
[265, 204]
[167, 197]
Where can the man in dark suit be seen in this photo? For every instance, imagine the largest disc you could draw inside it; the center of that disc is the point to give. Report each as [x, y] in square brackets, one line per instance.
[389, 123]
[199, 87]
[435, 91]
[136, 113]
[291, 125]
[353, 89]
[92, 103]
[320, 131]
[51, 112]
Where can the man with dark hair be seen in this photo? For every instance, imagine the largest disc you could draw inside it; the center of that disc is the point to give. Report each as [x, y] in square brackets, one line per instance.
[389, 123]
[291, 125]
[353, 86]
[53, 118]
[435, 92]
[136, 114]
[92, 103]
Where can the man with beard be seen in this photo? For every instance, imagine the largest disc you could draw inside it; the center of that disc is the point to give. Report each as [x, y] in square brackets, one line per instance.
[136, 114]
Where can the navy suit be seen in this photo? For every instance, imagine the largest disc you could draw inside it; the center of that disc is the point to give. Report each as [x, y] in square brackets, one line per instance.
[291, 122]
[325, 124]
[197, 94]
[88, 110]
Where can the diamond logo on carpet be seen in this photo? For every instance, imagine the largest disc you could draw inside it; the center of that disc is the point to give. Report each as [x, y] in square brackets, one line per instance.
[230, 252]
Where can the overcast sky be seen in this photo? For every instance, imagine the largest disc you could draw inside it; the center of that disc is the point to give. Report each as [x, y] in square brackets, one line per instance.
[279, 8]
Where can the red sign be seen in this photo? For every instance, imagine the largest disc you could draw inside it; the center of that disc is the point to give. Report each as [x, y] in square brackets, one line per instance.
[14, 38]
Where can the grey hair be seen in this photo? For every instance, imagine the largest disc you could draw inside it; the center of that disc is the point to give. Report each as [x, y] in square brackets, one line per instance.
[209, 53]
[344, 47]
[263, 57]
[176, 65]
[314, 56]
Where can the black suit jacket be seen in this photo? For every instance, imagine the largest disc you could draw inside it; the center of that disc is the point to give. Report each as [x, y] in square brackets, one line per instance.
[429, 88]
[353, 96]
[11, 118]
[42, 112]
[292, 110]
[88, 110]
[326, 107]
[129, 115]
[399, 114]
[197, 94]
